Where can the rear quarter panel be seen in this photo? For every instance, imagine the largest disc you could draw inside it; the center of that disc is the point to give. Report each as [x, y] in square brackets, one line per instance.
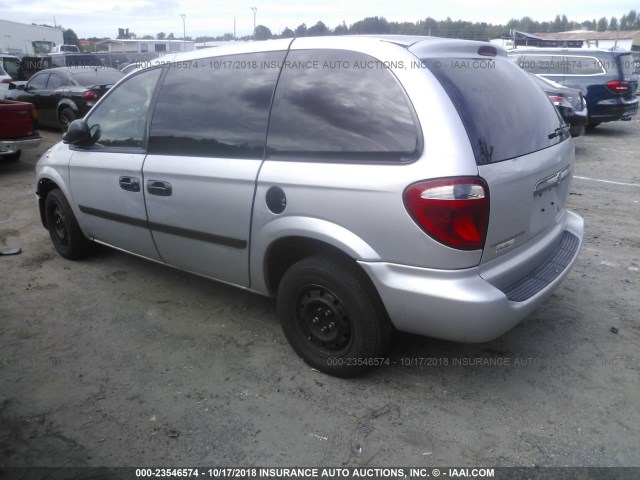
[366, 200]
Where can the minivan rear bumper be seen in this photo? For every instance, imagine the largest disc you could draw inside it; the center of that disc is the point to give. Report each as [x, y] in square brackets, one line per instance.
[461, 305]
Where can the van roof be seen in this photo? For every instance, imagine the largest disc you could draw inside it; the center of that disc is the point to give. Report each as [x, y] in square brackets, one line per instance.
[418, 45]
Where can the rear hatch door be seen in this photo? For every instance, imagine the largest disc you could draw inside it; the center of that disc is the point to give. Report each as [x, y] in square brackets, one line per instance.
[521, 145]
[626, 65]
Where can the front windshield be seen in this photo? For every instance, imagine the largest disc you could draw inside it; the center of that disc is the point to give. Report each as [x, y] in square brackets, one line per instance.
[42, 47]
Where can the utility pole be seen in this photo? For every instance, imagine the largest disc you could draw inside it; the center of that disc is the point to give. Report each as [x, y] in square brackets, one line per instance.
[255, 9]
[184, 31]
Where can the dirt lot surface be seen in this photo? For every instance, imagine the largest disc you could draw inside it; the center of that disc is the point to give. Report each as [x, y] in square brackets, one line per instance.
[116, 361]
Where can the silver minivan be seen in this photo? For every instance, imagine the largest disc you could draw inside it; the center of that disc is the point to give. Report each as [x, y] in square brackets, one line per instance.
[364, 182]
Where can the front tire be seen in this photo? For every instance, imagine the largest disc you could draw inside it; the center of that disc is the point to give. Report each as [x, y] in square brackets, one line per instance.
[63, 227]
[332, 316]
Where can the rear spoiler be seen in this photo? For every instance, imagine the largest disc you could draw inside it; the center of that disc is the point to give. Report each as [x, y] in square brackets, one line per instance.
[102, 88]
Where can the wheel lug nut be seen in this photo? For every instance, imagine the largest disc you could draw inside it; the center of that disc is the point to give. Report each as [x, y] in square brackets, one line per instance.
[327, 314]
[315, 320]
[323, 329]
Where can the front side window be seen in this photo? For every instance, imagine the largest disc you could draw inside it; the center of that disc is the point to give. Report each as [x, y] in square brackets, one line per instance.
[340, 105]
[215, 107]
[120, 119]
[38, 82]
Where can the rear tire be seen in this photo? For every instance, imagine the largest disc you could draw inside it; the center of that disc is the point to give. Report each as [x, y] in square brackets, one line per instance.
[332, 316]
[63, 227]
[65, 117]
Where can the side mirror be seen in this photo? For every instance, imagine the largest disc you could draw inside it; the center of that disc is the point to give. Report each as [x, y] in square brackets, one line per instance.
[78, 134]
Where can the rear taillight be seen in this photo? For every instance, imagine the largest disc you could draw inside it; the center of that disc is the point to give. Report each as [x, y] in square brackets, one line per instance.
[618, 86]
[453, 211]
[90, 95]
[560, 101]
[6, 80]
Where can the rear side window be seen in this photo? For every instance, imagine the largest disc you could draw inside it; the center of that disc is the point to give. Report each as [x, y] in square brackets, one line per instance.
[505, 113]
[342, 106]
[215, 107]
[580, 65]
[56, 81]
[542, 64]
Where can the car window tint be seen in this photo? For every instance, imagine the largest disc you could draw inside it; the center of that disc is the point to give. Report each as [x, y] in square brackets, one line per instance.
[215, 107]
[122, 116]
[38, 82]
[56, 81]
[581, 65]
[505, 113]
[340, 104]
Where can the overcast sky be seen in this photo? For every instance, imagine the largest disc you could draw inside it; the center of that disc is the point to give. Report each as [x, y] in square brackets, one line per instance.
[145, 17]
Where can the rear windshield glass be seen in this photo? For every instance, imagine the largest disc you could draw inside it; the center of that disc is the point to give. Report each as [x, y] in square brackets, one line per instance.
[100, 76]
[627, 66]
[506, 114]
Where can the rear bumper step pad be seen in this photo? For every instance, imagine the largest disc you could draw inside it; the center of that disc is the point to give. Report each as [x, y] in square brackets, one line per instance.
[547, 272]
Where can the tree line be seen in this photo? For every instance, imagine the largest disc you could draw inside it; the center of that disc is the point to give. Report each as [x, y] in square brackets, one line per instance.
[438, 28]
[442, 28]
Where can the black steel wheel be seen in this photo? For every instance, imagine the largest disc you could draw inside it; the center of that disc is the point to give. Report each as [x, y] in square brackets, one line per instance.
[63, 227]
[324, 320]
[332, 316]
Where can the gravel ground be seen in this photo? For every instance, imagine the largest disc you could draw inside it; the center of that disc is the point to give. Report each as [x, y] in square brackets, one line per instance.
[116, 361]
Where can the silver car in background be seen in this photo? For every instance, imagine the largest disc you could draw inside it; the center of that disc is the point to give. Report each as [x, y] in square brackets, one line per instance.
[364, 182]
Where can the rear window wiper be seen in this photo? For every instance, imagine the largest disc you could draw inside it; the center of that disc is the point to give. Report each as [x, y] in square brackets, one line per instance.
[561, 130]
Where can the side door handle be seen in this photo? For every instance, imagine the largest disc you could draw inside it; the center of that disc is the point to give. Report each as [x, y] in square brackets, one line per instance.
[130, 184]
[158, 187]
